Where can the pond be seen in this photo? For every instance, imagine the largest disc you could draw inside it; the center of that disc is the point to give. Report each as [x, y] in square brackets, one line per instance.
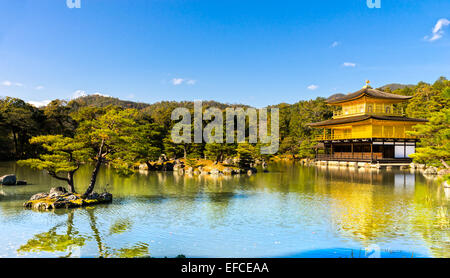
[292, 211]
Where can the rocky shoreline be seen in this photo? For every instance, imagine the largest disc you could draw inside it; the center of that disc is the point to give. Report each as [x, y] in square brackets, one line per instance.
[58, 197]
[202, 167]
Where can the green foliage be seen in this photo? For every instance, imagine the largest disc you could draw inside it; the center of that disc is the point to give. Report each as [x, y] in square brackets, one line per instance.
[434, 146]
[21, 121]
[306, 149]
[140, 133]
[245, 154]
[191, 162]
[63, 154]
[432, 102]
[58, 120]
[219, 151]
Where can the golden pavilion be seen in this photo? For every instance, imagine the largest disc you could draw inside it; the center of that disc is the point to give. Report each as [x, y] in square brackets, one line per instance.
[368, 127]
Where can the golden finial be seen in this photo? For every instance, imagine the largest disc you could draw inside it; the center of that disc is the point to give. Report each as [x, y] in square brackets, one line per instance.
[367, 84]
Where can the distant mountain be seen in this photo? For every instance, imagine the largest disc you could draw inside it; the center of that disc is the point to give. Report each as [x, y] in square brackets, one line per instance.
[103, 101]
[395, 86]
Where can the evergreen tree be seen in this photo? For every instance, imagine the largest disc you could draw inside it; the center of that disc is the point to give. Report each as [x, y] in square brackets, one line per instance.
[245, 155]
[62, 155]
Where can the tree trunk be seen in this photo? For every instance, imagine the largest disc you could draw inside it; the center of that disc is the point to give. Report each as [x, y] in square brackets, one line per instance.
[445, 164]
[70, 182]
[15, 144]
[96, 169]
[185, 151]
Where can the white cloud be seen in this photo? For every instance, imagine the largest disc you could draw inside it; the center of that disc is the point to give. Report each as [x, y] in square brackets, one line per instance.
[79, 93]
[82, 93]
[179, 81]
[348, 64]
[6, 83]
[39, 87]
[334, 44]
[39, 103]
[313, 87]
[438, 30]
[191, 82]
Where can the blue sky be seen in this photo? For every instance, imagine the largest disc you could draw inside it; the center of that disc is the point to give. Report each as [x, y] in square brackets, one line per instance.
[253, 52]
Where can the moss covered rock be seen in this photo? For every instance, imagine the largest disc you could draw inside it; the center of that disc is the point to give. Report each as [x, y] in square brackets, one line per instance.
[60, 198]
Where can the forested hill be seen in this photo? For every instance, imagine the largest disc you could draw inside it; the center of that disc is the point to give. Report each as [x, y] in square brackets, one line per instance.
[20, 121]
[103, 101]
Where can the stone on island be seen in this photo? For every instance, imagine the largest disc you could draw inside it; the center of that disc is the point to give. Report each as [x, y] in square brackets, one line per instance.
[58, 197]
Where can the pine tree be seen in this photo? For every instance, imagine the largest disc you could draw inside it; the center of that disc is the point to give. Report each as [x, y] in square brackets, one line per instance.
[63, 155]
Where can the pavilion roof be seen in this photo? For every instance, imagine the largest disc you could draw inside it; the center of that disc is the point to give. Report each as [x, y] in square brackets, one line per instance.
[360, 118]
[366, 91]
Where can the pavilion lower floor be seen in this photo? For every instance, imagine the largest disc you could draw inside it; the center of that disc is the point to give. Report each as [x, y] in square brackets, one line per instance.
[367, 150]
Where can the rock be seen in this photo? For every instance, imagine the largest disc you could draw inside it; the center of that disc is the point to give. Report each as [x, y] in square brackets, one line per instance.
[8, 180]
[445, 184]
[106, 197]
[249, 172]
[38, 196]
[235, 172]
[61, 190]
[93, 196]
[189, 170]
[72, 197]
[404, 167]
[214, 172]
[143, 166]
[444, 172]
[58, 199]
[227, 171]
[55, 192]
[431, 171]
[420, 166]
[21, 183]
[197, 172]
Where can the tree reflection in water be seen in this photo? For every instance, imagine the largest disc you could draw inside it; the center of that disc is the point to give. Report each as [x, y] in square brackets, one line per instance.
[51, 241]
[72, 240]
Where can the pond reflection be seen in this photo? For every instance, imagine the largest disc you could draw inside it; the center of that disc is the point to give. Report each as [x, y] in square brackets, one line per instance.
[291, 211]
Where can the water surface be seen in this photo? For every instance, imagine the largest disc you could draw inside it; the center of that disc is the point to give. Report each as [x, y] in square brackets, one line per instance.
[292, 211]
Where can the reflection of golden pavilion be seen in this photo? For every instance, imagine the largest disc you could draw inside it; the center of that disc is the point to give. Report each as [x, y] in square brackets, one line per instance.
[368, 127]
